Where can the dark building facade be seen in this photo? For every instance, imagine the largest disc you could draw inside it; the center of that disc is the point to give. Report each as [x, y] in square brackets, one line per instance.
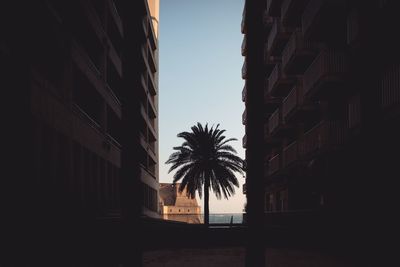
[330, 79]
[81, 79]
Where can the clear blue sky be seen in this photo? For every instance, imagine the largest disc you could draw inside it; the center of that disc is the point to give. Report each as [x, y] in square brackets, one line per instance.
[200, 77]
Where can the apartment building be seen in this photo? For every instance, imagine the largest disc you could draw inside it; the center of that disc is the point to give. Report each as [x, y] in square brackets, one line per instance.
[330, 111]
[81, 83]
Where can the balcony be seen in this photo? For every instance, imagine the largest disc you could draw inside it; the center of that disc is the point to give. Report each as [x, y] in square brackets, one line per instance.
[291, 11]
[114, 56]
[274, 164]
[244, 93]
[278, 82]
[151, 34]
[244, 70]
[270, 61]
[152, 59]
[277, 38]
[390, 87]
[149, 122]
[322, 19]
[244, 117]
[152, 153]
[292, 102]
[86, 65]
[298, 53]
[244, 46]
[274, 7]
[152, 109]
[326, 135]
[115, 15]
[151, 85]
[244, 141]
[243, 24]
[143, 141]
[354, 108]
[268, 21]
[270, 103]
[274, 121]
[290, 154]
[328, 71]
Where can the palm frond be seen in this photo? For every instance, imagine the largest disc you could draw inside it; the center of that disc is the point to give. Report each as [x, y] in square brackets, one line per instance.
[206, 155]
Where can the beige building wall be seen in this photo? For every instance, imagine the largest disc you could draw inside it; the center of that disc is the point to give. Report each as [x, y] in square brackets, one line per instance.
[178, 206]
[154, 6]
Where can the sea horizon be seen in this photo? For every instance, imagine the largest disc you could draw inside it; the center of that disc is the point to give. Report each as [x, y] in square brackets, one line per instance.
[226, 217]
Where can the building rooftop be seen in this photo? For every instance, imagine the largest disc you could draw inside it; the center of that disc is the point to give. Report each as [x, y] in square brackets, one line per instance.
[170, 196]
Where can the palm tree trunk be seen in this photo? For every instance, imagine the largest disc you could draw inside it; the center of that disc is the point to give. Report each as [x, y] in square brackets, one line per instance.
[206, 204]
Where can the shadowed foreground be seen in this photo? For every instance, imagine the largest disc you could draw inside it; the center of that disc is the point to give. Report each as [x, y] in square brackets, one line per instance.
[235, 256]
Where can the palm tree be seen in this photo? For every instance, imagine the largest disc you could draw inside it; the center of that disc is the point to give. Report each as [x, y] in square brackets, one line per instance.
[206, 158]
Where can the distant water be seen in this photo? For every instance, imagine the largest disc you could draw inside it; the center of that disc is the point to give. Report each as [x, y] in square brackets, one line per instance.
[226, 218]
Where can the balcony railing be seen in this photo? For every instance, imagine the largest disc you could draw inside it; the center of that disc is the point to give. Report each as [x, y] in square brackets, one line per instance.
[273, 78]
[244, 70]
[113, 94]
[329, 66]
[151, 85]
[296, 47]
[244, 117]
[244, 46]
[285, 7]
[87, 118]
[113, 141]
[274, 121]
[269, 60]
[311, 11]
[293, 100]
[325, 135]
[274, 164]
[150, 122]
[276, 37]
[244, 93]
[290, 154]
[244, 141]
[93, 74]
[152, 59]
[151, 34]
[143, 141]
[272, 35]
[354, 111]
[390, 87]
[116, 16]
[267, 20]
[81, 53]
[278, 79]
[152, 108]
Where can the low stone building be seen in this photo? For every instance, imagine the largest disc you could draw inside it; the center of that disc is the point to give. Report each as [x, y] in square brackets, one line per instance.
[178, 206]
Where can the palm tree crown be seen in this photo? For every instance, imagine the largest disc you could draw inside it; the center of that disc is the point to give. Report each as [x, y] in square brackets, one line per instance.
[206, 159]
